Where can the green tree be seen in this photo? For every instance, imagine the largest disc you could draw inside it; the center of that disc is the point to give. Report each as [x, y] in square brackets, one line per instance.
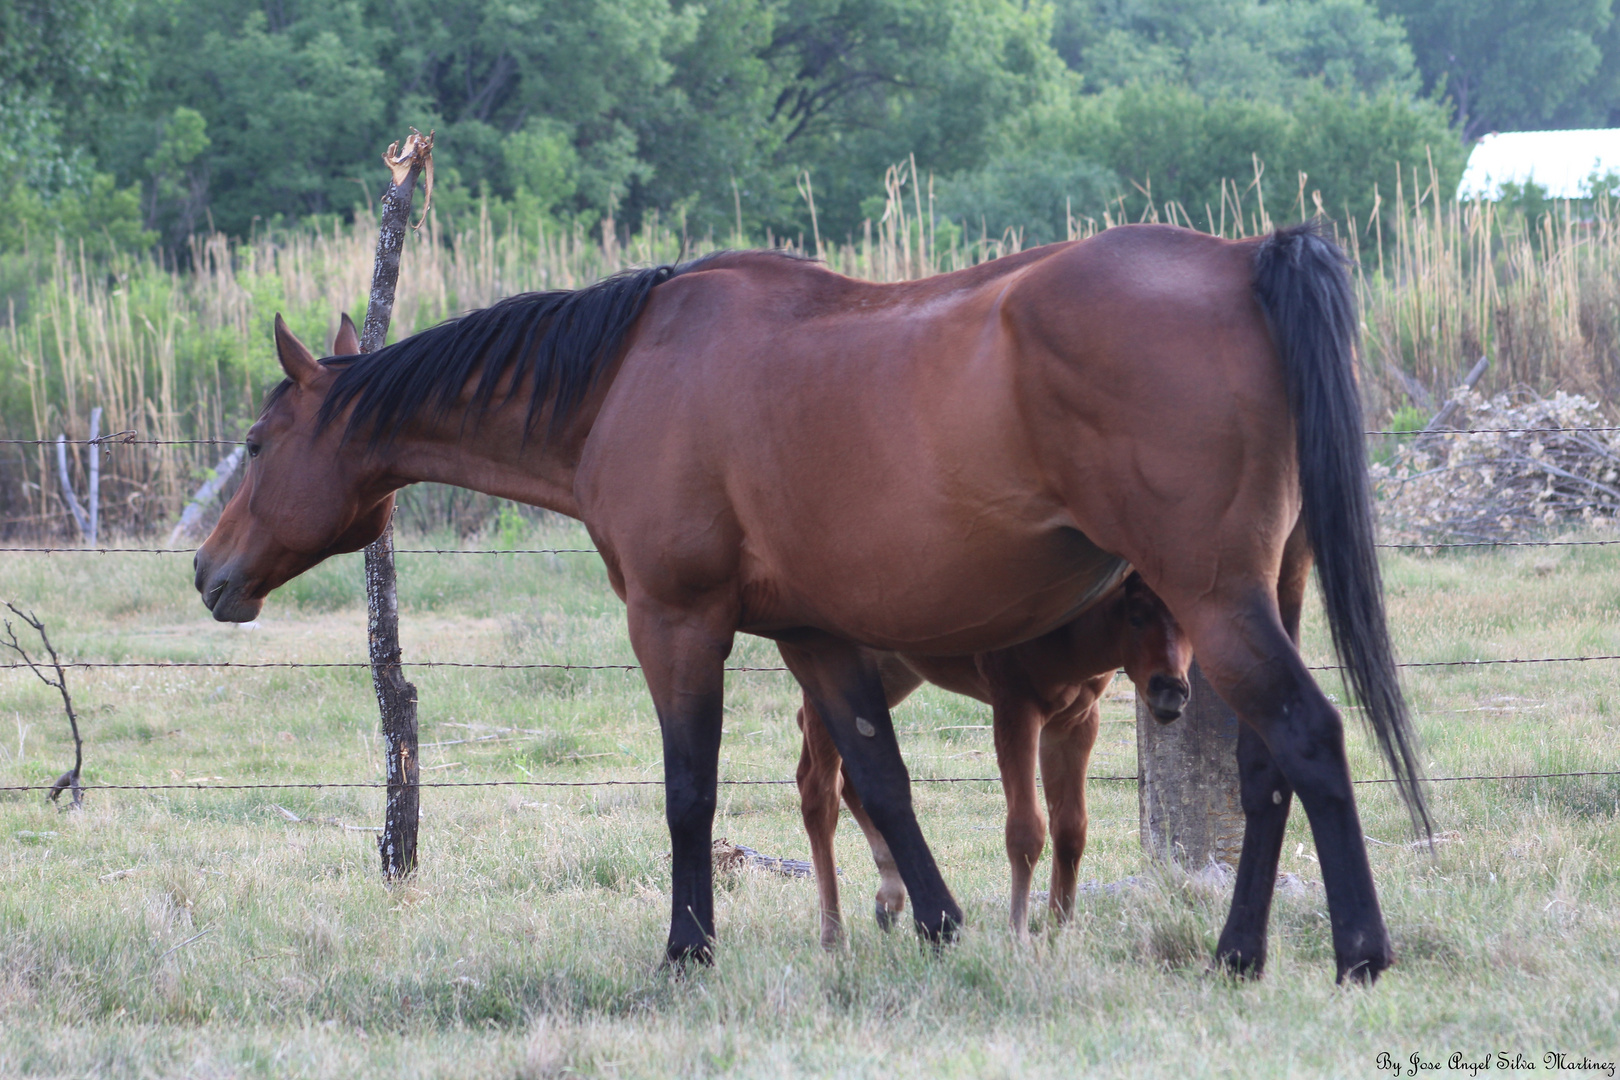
[1032, 194]
[1511, 64]
[1235, 48]
[293, 109]
[177, 184]
[64, 65]
[869, 81]
[1170, 144]
[479, 71]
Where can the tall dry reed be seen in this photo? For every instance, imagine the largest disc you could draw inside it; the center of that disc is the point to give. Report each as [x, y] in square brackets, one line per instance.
[185, 355]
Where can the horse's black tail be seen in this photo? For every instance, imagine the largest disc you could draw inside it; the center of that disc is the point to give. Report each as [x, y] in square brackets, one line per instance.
[1301, 281]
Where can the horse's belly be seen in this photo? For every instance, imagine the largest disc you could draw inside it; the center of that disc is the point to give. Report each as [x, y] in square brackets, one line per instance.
[939, 599]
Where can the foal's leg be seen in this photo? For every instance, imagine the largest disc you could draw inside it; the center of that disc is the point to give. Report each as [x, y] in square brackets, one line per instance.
[847, 689]
[1252, 663]
[1066, 746]
[1017, 729]
[1267, 799]
[682, 654]
[819, 783]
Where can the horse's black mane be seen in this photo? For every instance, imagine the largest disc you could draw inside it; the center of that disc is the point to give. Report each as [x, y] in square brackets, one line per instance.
[556, 343]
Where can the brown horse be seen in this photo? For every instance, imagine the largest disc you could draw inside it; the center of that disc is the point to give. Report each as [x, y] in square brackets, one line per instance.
[1044, 698]
[938, 467]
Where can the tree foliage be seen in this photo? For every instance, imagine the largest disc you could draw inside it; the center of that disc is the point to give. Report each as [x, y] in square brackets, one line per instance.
[1517, 64]
[129, 121]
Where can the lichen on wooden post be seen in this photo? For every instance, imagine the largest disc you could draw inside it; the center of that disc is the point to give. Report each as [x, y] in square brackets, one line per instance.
[396, 697]
[1191, 808]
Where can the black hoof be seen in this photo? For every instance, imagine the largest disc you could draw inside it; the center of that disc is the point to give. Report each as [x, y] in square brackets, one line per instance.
[680, 955]
[1363, 972]
[885, 918]
[941, 930]
[1242, 964]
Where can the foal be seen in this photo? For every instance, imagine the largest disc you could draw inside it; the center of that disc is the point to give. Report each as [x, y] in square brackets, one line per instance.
[1044, 696]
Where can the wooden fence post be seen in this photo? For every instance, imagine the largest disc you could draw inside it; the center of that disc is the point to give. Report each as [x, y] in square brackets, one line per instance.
[396, 697]
[1191, 811]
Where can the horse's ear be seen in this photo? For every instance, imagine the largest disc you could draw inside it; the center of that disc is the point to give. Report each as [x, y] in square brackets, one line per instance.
[347, 342]
[299, 364]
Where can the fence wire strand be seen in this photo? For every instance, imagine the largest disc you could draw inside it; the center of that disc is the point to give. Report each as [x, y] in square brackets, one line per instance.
[378, 785]
[1436, 546]
[131, 438]
[180, 665]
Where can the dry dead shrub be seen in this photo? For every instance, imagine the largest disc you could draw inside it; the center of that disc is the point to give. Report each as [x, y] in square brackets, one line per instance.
[1513, 468]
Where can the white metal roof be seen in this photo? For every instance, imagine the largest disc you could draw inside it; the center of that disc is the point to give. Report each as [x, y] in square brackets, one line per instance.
[1560, 161]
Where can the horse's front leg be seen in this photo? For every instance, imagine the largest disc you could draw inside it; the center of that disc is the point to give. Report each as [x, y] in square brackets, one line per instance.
[847, 688]
[1017, 730]
[682, 654]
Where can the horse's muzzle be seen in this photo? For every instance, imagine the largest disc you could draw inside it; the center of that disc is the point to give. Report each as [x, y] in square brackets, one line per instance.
[224, 594]
[1166, 697]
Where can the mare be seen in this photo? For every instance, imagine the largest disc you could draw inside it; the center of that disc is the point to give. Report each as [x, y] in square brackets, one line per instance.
[1044, 697]
[938, 467]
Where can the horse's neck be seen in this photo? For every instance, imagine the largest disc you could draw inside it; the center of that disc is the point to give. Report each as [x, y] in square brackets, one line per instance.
[491, 453]
[1097, 635]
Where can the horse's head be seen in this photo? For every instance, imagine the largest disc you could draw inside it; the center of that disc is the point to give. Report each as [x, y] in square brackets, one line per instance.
[1157, 653]
[304, 496]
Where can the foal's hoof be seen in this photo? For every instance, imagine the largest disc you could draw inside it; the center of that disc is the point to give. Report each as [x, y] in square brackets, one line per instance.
[884, 916]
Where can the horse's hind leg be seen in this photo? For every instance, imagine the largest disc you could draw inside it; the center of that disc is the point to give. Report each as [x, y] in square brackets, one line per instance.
[1267, 798]
[1066, 746]
[1017, 729]
[848, 692]
[1252, 663]
[819, 781]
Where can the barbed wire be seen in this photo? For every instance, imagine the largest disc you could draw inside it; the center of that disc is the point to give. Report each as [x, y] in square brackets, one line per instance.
[1438, 545]
[313, 785]
[1499, 431]
[181, 665]
[130, 438]
[121, 438]
[1498, 543]
[397, 551]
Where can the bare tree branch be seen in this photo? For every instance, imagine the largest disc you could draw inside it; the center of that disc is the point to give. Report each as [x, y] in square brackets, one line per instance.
[69, 779]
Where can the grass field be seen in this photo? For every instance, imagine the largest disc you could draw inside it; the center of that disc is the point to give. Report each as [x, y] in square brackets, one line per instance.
[205, 934]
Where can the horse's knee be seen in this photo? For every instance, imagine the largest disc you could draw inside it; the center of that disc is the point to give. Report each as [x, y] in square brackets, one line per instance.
[1069, 839]
[1026, 838]
[686, 808]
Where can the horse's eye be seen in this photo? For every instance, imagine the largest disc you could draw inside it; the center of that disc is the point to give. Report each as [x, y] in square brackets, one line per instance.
[253, 449]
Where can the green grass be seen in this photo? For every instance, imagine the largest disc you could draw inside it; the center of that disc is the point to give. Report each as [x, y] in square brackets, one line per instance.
[527, 945]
